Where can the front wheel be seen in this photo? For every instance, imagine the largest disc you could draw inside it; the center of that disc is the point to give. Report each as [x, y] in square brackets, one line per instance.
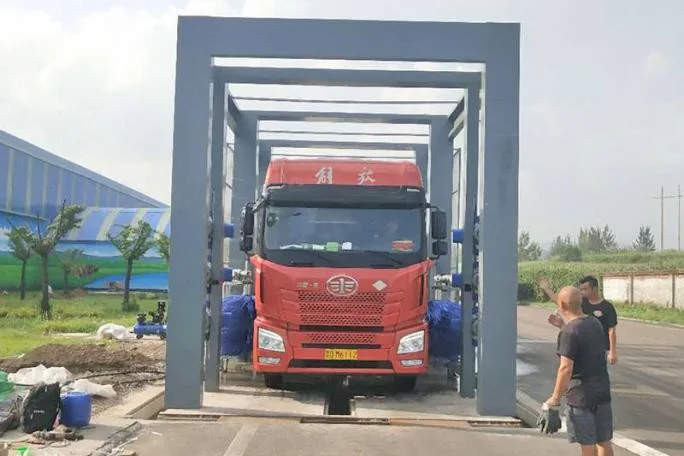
[405, 383]
[273, 381]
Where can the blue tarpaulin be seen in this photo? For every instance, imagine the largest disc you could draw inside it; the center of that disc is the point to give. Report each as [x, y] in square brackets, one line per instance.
[237, 324]
[445, 329]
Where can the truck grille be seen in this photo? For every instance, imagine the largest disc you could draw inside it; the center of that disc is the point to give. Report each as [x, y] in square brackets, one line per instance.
[331, 338]
[319, 308]
[341, 320]
[323, 297]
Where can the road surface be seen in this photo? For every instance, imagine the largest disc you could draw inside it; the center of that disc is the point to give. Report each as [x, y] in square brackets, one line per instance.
[647, 382]
[268, 439]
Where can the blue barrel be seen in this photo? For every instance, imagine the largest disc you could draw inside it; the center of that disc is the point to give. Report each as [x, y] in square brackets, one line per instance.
[76, 409]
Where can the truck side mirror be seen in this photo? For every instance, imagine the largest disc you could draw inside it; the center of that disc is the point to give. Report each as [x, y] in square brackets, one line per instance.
[438, 225]
[246, 244]
[247, 216]
[439, 248]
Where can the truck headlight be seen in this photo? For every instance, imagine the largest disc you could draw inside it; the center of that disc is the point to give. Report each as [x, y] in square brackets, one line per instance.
[412, 343]
[268, 340]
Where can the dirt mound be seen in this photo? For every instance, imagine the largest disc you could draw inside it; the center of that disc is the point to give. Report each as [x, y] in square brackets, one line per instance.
[77, 358]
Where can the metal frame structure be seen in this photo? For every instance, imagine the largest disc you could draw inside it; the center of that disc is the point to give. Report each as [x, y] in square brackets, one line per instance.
[202, 38]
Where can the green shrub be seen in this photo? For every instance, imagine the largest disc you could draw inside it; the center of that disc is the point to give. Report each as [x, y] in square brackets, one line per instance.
[560, 274]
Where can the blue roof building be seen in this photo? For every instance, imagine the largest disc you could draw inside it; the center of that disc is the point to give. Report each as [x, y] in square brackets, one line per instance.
[35, 182]
[98, 223]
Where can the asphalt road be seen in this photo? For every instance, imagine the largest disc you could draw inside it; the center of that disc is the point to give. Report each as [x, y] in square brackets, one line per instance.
[647, 381]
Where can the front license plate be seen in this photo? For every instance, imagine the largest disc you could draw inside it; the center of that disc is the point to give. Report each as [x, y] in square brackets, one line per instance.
[341, 355]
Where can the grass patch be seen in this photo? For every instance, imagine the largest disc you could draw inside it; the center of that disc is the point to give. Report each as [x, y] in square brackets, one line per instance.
[22, 330]
[644, 312]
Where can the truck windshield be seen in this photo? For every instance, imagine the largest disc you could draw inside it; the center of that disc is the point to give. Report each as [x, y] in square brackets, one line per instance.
[390, 234]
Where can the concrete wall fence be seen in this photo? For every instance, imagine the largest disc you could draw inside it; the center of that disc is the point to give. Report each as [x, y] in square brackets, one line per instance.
[665, 289]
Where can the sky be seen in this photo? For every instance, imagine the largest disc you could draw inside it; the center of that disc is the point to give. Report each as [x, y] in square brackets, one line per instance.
[601, 101]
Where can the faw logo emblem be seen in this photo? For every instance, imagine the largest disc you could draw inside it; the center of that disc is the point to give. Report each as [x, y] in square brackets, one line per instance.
[342, 285]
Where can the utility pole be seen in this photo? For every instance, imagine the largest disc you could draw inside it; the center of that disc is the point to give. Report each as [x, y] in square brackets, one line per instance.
[662, 199]
[662, 217]
[679, 218]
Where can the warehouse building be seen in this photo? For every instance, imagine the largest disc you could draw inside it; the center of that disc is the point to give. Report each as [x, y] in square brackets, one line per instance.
[36, 182]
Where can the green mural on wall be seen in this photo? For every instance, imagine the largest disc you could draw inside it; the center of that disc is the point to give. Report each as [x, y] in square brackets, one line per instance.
[99, 265]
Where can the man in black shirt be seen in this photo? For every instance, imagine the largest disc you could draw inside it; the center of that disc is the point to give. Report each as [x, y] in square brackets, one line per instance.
[583, 377]
[592, 304]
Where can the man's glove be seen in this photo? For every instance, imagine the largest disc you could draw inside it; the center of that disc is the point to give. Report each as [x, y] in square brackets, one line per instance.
[549, 419]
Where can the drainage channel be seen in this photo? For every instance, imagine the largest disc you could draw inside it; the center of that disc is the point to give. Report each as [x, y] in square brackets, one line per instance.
[338, 397]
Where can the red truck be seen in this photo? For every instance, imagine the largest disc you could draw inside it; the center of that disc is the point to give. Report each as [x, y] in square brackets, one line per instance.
[340, 253]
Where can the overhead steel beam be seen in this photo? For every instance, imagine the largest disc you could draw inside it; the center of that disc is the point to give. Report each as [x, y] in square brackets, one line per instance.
[346, 78]
[319, 144]
[342, 133]
[342, 116]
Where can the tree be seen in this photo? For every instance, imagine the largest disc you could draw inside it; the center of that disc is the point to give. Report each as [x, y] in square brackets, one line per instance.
[527, 249]
[645, 241]
[68, 260]
[43, 243]
[596, 240]
[21, 250]
[564, 249]
[133, 241]
[163, 245]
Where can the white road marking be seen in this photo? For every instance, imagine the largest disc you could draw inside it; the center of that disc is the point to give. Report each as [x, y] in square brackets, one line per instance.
[635, 447]
[239, 445]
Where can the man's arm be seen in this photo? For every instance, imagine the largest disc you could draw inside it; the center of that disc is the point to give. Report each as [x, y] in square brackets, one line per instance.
[568, 345]
[545, 286]
[612, 333]
[554, 319]
[562, 380]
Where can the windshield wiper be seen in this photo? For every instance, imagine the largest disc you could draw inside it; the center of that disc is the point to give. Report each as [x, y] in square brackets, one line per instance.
[385, 255]
[315, 253]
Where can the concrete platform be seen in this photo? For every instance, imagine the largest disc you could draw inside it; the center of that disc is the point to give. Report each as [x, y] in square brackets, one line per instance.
[435, 399]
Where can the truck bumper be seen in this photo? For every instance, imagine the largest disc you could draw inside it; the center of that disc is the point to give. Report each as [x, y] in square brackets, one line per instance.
[299, 357]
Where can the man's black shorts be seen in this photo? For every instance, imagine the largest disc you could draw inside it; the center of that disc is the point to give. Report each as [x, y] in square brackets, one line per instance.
[590, 426]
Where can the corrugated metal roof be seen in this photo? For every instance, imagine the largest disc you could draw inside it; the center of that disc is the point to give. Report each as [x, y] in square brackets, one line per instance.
[98, 222]
[35, 151]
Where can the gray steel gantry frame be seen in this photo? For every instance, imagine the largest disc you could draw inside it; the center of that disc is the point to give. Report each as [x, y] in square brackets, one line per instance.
[201, 38]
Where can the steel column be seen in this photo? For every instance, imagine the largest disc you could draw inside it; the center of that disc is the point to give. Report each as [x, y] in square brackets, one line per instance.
[189, 215]
[498, 206]
[263, 159]
[423, 162]
[468, 208]
[441, 179]
[244, 180]
[218, 134]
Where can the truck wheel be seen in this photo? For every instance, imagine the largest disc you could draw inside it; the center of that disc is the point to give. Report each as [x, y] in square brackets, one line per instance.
[405, 383]
[273, 381]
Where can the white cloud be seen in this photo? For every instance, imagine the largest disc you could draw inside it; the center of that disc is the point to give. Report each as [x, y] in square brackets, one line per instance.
[97, 90]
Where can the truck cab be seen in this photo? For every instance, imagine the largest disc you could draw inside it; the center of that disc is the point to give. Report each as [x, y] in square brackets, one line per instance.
[340, 252]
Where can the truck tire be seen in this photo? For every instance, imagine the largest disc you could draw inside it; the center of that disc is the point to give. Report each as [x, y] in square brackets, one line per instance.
[273, 381]
[405, 383]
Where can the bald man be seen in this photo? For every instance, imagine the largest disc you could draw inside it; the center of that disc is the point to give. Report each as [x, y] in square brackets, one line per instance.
[583, 377]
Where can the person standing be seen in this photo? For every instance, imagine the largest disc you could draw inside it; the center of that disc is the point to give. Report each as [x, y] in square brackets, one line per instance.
[594, 304]
[582, 377]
